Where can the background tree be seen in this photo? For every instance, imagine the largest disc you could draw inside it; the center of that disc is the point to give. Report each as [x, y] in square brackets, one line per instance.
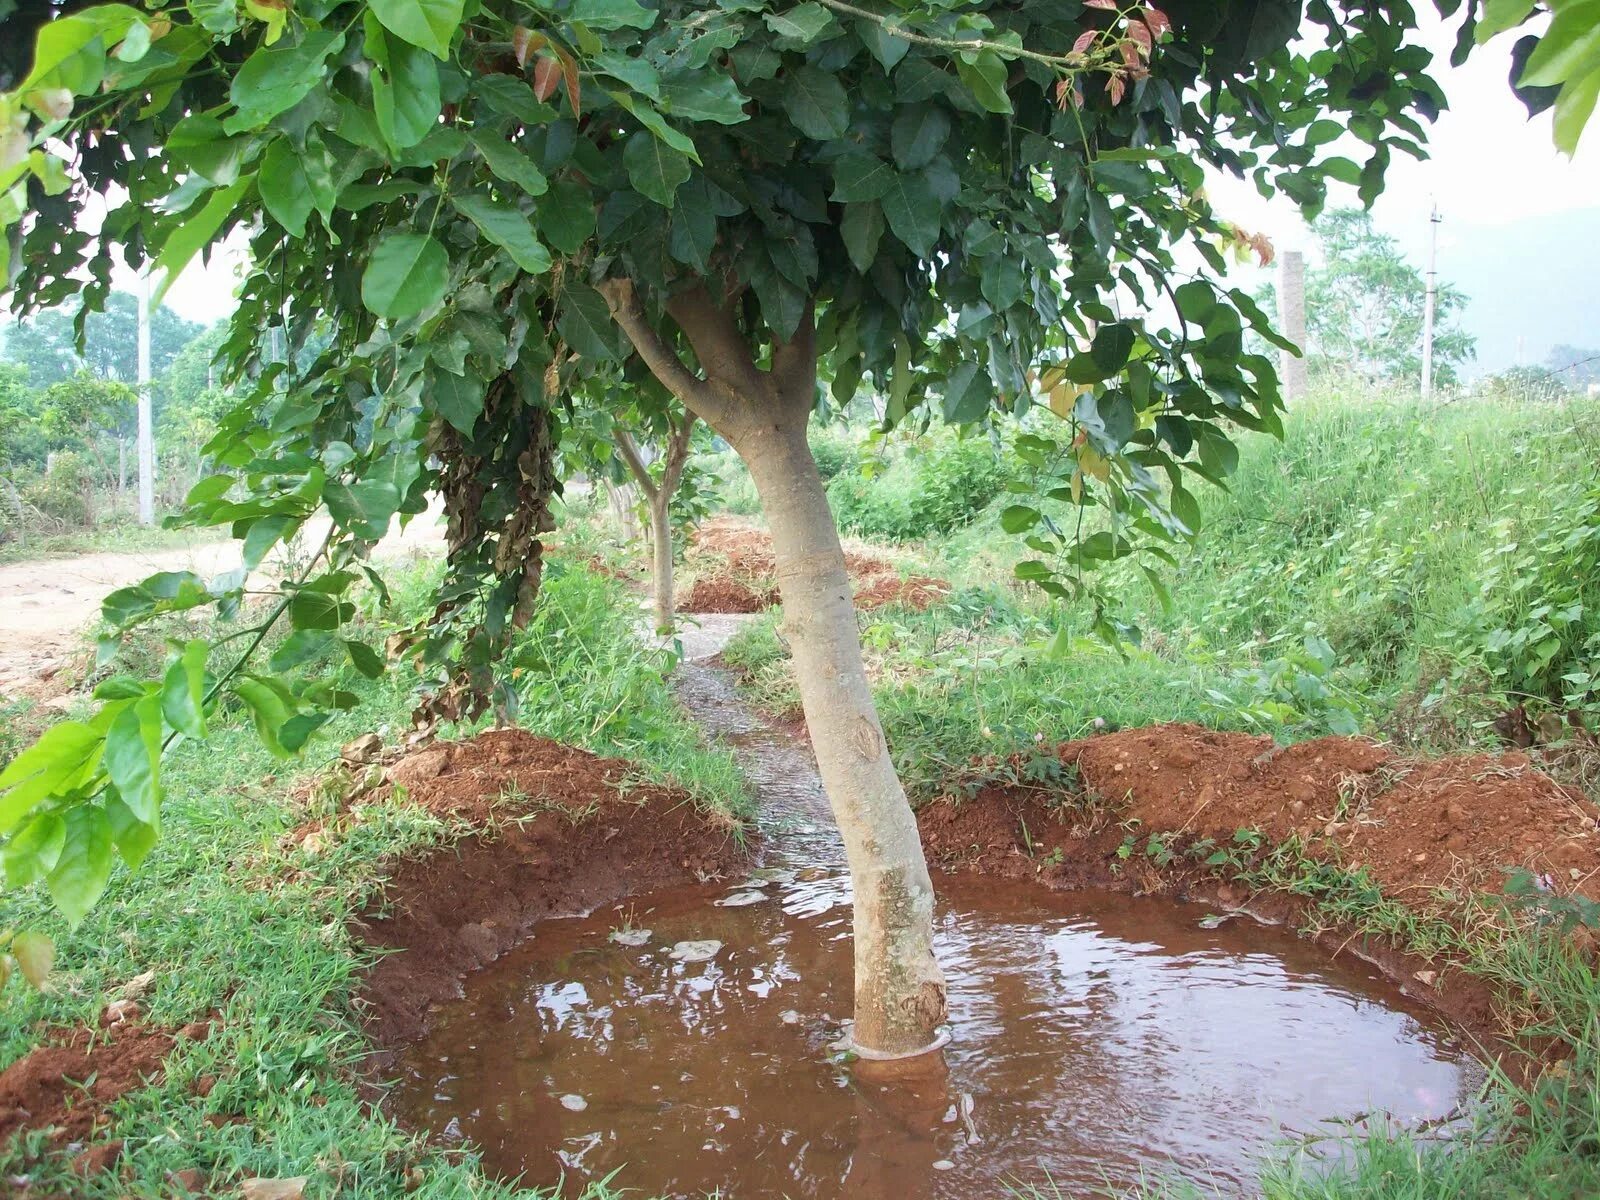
[962, 204]
[1365, 303]
[47, 344]
[655, 453]
[1577, 366]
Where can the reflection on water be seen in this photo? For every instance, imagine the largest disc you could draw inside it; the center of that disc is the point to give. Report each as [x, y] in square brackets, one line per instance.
[1096, 1037]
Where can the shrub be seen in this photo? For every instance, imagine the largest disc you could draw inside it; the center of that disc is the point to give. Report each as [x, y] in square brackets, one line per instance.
[937, 484]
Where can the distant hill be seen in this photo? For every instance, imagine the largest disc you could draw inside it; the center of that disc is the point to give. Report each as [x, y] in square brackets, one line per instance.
[1536, 283]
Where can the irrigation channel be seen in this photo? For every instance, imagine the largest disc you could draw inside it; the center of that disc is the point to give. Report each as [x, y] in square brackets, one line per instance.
[1098, 1039]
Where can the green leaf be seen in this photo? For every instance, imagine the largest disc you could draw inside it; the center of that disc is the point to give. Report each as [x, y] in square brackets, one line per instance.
[1110, 349]
[654, 168]
[187, 239]
[64, 756]
[405, 276]
[84, 868]
[364, 659]
[457, 398]
[862, 229]
[584, 322]
[510, 163]
[35, 955]
[800, 25]
[1574, 106]
[183, 690]
[133, 838]
[405, 92]
[264, 534]
[508, 228]
[1569, 48]
[34, 850]
[133, 758]
[968, 392]
[888, 48]
[285, 190]
[704, 96]
[301, 646]
[90, 32]
[512, 98]
[269, 705]
[611, 14]
[567, 217]
[364, 507]
[918, 133]
[985, 78]
[861, 177]
[430, 24]
[1018, 518]
[816, 102]
[276, 78]
[912, 211]
[692, 234]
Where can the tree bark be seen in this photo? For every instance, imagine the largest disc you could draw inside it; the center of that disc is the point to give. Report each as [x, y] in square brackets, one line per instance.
[661, 561]
[899, 989]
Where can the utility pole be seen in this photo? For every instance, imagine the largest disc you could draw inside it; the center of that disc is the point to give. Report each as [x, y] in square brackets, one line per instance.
[147, 432]
[1292, 321]
[1429, 302]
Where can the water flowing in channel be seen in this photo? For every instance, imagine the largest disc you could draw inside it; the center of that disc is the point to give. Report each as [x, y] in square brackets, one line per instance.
[1098, 1038]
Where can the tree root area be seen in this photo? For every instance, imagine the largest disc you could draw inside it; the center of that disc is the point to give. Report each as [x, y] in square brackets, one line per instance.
[561, 832]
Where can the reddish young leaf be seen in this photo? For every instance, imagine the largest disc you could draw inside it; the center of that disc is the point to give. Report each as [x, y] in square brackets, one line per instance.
[1085, 40]
[1117, 88]
[1108, 5]
[569, 70]
[524, 42]
[1158, 21]
[546, 75]
[1140, 34]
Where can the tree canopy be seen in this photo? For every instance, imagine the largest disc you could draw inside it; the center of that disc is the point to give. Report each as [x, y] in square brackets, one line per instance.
[470, 223]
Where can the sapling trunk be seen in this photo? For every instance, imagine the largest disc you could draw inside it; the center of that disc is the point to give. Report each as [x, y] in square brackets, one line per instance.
[661, 562]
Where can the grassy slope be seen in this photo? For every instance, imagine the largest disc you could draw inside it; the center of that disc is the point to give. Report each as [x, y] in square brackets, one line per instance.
[233, 923]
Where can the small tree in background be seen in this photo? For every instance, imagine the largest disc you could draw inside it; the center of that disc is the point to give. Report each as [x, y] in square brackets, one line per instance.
[1364, 306]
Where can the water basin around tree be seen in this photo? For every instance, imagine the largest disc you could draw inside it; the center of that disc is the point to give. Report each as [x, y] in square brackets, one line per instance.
[1097, 1038]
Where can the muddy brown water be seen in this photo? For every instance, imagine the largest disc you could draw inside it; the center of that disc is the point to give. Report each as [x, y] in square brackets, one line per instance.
[1097, 1039]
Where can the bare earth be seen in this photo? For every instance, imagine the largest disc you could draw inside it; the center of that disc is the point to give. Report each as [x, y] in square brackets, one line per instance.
[49, 607]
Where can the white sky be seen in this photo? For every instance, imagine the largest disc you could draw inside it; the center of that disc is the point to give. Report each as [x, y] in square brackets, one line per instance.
[1488, 163]
[1488, 166]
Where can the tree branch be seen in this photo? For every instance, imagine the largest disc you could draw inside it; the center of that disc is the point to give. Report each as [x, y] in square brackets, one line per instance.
[677, 454]
[630, 455]
[623, 301]
[722, 350]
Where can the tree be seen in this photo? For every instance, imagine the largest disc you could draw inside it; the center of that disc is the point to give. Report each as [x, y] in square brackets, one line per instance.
[1365, 303]
[502, 223]
[658, 477]
[1576, 368]
[47, 344]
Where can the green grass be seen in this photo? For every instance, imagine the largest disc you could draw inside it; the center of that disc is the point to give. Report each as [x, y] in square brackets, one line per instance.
[233, 922]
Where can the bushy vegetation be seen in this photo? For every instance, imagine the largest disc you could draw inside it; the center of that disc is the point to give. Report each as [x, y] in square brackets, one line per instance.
[252, 928]
[931, 485]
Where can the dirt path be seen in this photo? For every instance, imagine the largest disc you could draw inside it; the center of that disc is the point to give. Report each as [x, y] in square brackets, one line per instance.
[48, 606]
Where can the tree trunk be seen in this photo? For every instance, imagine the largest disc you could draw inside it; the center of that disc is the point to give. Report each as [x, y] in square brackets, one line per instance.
[899, 992]
[661, 561]
[620, 502]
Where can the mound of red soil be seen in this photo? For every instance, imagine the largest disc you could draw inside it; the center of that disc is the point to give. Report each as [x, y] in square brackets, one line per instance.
[68, 1085]
[568, 831]
[1415, 825]
[722, 594]
[916, 593]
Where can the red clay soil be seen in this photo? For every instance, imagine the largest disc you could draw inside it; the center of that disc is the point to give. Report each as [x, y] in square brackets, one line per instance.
[722, 594]
[917, 592]
[45, 1089]
[1415, 825]
[738, 574]
[573, 831]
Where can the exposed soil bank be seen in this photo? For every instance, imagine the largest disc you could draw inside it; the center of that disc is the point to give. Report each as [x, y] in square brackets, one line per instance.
[68, 1084]
[1419, 828]
[563, 832]
[735, 572]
